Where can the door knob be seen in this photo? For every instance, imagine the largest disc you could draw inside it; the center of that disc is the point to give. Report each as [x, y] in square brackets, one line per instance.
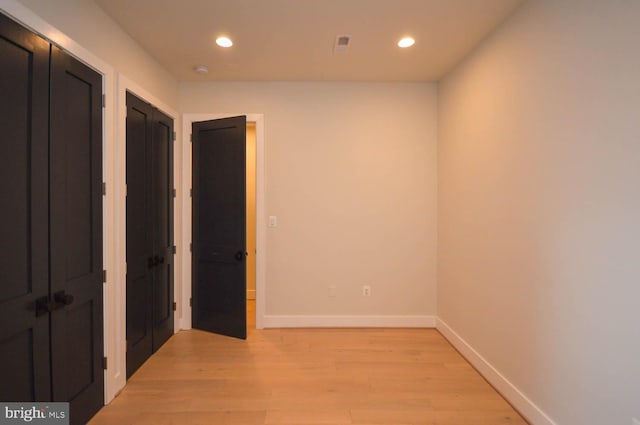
[44, 306]
[63, 298]
[154, 261]
[239, 255]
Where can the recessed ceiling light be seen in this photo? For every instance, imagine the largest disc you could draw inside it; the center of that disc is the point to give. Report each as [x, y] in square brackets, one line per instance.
[201, 69]
[224, 42]
[406, 42]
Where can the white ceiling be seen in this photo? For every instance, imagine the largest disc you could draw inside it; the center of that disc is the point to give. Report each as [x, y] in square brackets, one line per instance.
[292, 40]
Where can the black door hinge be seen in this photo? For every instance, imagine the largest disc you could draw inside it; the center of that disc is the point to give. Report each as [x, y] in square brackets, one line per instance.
[104, 363]
[174, 193]
[104, 100]
[104, 276]
[175, 306]
[174, 136]
[104, 189]
[191, 193]
[173, 249]
[190, 302]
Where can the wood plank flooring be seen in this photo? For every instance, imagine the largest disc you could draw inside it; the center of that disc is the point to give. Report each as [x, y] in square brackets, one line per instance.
[308, 376]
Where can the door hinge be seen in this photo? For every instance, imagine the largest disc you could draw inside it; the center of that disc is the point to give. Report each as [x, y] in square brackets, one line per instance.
[104, 276]
[190, 302]
[104, 100]
[191, 138]
[190, 247]
[104, 189]
[174, 136]
[174, 192]
[175, 306]
[104, 363]
[173, 249]
[191, 193]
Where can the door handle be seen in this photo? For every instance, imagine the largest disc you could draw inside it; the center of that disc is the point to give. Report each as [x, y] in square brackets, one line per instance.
[240, 255]
[154, 261]
[44, 306]
[62, 298]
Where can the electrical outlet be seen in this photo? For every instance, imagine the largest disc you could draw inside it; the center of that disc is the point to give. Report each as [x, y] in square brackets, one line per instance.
[635, 421]
[332, 291]
[366, 291]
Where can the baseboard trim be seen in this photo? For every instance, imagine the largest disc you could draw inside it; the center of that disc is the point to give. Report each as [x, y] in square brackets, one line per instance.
[520, 402]
[293, 321]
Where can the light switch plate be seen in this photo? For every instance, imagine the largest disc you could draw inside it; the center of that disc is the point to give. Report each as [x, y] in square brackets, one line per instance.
[273, 221]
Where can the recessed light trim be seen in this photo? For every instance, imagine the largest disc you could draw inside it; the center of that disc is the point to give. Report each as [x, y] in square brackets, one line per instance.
[406, 42]
[224, 42]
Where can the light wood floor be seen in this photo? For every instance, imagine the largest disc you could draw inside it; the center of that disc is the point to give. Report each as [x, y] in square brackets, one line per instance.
[308, 376]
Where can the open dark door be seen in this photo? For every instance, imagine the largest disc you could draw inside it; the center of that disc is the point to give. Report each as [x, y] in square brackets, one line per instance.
[75, 162]
[219, 234]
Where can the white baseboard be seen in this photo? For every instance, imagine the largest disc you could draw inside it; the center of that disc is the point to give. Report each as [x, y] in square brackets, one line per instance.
[251, 294]
[349, 321]
[526, 407]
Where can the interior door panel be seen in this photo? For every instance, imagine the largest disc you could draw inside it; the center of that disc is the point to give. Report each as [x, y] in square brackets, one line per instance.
[219, 226]
[149, 230]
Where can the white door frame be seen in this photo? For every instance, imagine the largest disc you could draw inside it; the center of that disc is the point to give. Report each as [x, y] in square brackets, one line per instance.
[261, 254]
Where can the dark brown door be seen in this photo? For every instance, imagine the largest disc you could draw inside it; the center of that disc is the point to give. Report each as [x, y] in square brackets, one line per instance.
[24, 241]
[149, 230]
[75, 226]
[162, 227]
[139, 244]
[51, 323]
[219, 227]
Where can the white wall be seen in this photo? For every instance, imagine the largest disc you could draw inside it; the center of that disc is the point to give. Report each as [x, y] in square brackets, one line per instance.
[539, 207]
[351, 175]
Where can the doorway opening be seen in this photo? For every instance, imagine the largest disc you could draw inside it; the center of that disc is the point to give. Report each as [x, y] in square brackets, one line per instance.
[251, 224]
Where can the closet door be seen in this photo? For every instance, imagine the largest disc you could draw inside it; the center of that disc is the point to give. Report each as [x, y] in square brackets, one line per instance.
[149, 231]
[162, 227]
[139, 245]
[76, 235]
[24, 281]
